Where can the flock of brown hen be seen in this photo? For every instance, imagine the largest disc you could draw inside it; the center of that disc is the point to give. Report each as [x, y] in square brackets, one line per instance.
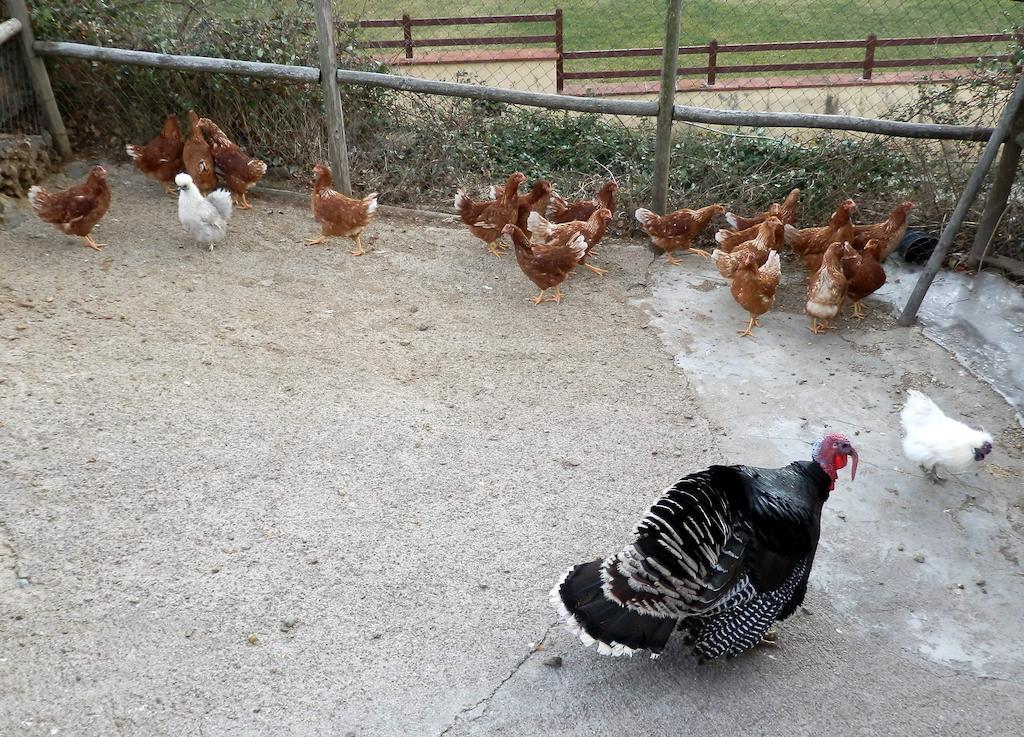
[211, 159]
[843, 260]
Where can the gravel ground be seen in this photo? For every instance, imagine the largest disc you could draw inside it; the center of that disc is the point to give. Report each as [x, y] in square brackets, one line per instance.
[278, 490]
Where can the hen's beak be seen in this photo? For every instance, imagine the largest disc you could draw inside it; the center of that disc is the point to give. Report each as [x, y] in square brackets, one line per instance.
[853, 465]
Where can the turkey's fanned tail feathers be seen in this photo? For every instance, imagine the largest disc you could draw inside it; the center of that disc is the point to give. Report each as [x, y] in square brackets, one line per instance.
[597, 620]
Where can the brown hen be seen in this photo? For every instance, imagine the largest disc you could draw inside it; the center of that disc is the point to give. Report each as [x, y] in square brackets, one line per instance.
[338, 214]
[677, 230]
[768, 238]
[826, 291]
[864, 273]
[567, 212]
[784, 211]
[547, 265]
[754, 286]
[592, 229]
[198, 156]
[536, 200]
[76, 210]
[486, 219]
[239, 170]
[160, 159]
[815, 240]
[889, 232]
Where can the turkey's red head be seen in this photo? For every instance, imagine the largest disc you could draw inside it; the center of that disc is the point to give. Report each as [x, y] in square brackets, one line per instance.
[832, 453]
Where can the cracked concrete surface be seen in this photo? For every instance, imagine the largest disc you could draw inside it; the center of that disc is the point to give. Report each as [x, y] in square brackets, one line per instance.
[277, 490]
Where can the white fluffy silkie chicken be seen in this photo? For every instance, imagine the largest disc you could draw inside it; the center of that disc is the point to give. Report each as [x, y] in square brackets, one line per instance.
[931, 439]
[204, 218]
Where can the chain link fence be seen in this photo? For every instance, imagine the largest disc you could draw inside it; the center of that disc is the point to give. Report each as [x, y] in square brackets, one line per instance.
[778, 55]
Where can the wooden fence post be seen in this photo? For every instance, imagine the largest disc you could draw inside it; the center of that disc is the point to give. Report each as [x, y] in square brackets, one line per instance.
[559, 49]
[40, 80]
[407, 34]
[336, 147]
[995, 203]
[988, 155]
[666, 104]
[869, 55]
[712, 62]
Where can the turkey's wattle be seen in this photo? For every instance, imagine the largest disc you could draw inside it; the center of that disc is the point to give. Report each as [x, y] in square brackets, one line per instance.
[724, 553]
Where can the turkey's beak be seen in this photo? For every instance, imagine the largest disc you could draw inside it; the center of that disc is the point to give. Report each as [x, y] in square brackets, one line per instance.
[853, 465]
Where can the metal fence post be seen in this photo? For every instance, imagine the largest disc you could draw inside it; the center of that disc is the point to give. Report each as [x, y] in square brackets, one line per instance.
[40, 80]
[336, 147]
[988, 155]
[666, 101]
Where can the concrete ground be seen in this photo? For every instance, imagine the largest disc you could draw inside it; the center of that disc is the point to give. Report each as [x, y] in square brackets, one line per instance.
[278, 490]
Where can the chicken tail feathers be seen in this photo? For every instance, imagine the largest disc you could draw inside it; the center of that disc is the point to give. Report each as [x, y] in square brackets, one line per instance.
[730, 217]
[772, 268]
[918, 410]
[37, 197]
[645, 217]
[597, 620]
[539, 226]
[578, 244]
[724, 262]
[221, 200]
[462, 203]
[371, 203]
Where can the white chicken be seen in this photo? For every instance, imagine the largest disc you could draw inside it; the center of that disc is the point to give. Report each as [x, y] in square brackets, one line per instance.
[204, 218]
[931, 439]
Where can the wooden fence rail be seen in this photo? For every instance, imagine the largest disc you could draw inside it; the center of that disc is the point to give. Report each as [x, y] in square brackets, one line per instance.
[867, 63]
[409, 42]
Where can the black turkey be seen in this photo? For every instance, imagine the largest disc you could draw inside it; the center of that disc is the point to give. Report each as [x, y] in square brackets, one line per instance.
[722, 554]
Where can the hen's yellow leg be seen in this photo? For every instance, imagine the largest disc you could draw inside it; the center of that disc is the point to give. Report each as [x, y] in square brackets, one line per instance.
[316, 241]
[557, 299]
[858, 311]
[672, 259]
[700, 251]
[90, 243]
[539, 298]
[748, 333]
[493, 248]
[359, 242]
[599, 272]
[245, 203]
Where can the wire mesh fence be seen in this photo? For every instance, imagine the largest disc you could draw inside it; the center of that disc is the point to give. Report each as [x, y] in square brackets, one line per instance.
[19, 110]
[777, 55]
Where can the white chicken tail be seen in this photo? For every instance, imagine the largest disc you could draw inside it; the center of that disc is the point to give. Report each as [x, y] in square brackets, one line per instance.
[539, 226]
[371, 203]
[789, 232]
[772, 268]
[133, 151]
[645, 217]
[221, 199]
[730, 217]
[577, 243]
[919, 410]
[35, 197]
[492, 192]
[721, 235]
[462, 201]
